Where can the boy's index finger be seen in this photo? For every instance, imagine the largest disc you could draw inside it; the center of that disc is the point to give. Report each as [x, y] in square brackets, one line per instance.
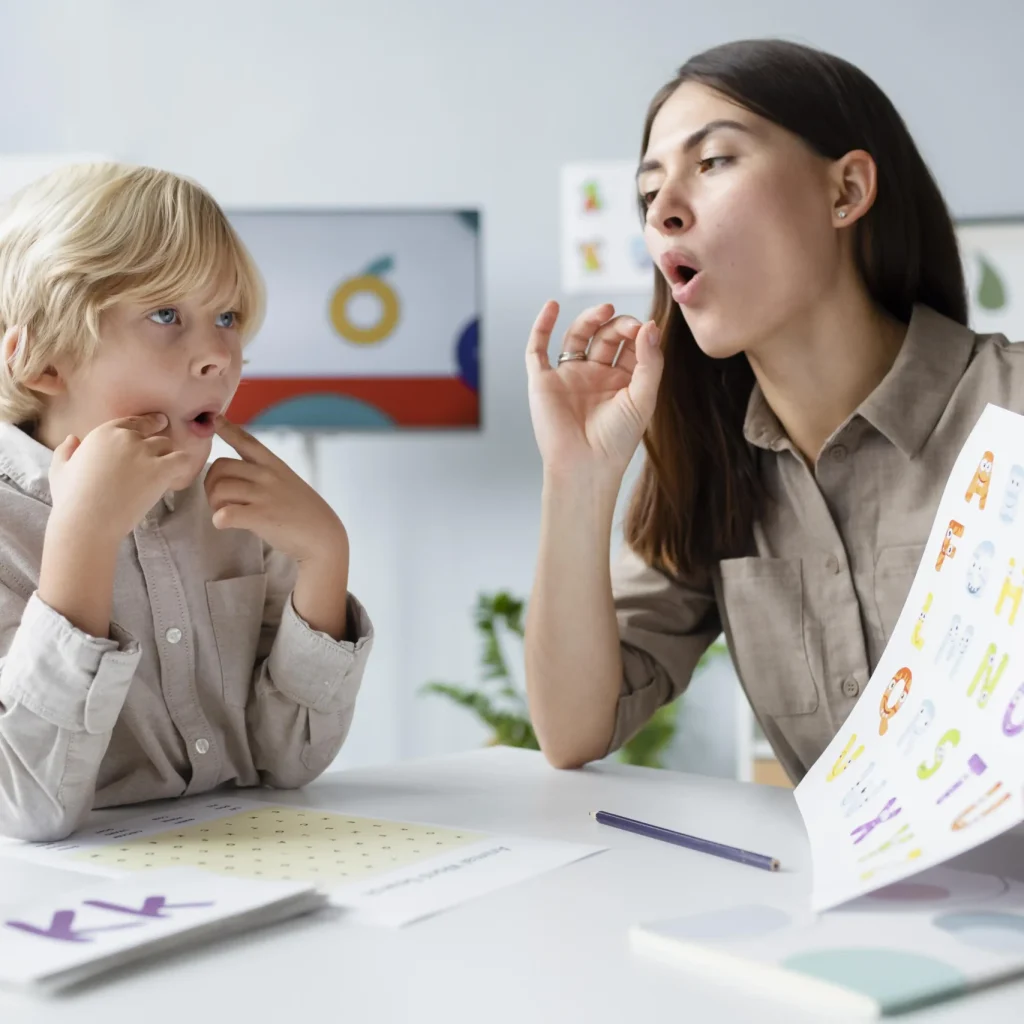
[242, 441]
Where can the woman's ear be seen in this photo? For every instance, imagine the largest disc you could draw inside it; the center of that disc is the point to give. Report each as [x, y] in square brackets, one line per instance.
[49, 382]
[854, 186]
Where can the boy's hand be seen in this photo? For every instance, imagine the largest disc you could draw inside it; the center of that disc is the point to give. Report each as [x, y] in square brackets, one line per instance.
[105, 483]
[261, 494]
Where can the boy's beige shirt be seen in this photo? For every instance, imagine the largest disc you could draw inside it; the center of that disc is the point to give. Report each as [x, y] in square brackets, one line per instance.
[210, 676]
[809, 610]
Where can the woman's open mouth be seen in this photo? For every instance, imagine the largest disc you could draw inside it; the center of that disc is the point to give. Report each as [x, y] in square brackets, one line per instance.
[683, 275]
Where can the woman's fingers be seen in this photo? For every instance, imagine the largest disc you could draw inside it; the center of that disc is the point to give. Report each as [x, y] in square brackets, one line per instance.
[540, 337]
[650, 361]
[583, 328]
[613, 340]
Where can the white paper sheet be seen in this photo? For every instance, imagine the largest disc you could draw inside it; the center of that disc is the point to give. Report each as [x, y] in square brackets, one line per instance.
[49, 943]
[930, 761]
[386, 872]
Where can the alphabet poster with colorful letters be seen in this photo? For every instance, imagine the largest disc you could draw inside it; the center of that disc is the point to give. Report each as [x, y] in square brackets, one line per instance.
[930, 762]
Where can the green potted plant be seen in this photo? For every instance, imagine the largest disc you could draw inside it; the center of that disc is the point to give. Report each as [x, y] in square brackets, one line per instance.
[501, 705]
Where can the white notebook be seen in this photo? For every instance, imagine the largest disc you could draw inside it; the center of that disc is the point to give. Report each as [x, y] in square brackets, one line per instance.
[49, 944]
[937, 936]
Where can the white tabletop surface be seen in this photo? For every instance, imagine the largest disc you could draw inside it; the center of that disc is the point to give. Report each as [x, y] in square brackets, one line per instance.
[554, 948]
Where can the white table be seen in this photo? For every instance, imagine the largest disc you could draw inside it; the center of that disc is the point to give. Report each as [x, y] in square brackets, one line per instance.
[551, 949]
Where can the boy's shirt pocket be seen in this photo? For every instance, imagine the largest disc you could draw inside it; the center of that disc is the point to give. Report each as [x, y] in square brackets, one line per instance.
[236, 612]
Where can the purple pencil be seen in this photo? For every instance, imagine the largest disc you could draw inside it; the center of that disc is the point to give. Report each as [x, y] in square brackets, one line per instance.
[666, 835]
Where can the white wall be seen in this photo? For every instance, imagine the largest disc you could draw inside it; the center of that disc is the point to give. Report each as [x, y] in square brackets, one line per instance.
[450, 102]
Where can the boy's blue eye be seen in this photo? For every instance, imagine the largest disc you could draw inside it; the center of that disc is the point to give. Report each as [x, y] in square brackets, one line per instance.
[227, 320]
[166, 316]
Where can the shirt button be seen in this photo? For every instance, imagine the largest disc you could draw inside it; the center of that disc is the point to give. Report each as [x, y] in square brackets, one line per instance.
[832, 564]
[202, 746]
[173, 635]
[838, 453]
[851, 687]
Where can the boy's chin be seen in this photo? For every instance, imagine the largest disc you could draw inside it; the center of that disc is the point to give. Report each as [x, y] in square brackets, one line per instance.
[199, 456]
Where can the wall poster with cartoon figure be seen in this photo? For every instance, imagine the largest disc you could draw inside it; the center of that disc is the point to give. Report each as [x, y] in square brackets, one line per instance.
[603, 250]
[930, 762]
[372, 320]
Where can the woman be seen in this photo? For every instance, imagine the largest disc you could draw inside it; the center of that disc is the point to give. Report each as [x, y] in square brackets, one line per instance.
[802, 390]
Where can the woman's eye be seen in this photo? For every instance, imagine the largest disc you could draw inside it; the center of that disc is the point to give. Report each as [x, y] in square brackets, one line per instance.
[166, 316]
[647, 198]
[710, 163]
[227, 320]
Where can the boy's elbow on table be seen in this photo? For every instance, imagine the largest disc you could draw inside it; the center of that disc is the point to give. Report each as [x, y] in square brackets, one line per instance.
[35, 819]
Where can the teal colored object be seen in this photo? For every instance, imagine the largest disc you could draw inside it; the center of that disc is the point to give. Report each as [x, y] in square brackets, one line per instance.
[990, 930]
[896, 980]
[322, 412]
[378, 268]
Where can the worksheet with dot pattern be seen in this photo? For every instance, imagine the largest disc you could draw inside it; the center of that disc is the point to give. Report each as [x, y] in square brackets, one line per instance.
[298, 844]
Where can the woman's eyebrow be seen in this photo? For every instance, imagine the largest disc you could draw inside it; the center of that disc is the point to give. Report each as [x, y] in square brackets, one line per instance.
[695, 139]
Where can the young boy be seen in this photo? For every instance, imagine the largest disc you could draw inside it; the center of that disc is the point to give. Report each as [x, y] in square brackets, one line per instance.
[163, 632]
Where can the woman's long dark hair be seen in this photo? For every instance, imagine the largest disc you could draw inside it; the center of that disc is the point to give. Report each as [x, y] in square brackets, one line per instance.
[698, 495]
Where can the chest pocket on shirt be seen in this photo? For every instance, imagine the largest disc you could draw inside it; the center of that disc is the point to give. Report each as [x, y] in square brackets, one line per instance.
[894, 573]
[236, 610]
[763, 602]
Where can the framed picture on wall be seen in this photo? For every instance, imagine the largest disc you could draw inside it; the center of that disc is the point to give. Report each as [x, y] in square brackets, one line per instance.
[992, 251]
[373, 320]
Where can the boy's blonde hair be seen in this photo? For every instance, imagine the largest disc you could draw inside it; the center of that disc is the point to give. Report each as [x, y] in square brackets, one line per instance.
[88, 235]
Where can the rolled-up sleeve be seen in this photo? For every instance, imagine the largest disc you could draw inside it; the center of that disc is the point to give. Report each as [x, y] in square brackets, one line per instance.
[665, 626]
[306, 685]
[61, 691]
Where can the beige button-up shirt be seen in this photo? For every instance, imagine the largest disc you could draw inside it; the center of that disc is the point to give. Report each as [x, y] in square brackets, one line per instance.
[209, 676]
[808, 612]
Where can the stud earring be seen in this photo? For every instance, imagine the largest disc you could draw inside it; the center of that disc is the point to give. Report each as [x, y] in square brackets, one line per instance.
[841, 214]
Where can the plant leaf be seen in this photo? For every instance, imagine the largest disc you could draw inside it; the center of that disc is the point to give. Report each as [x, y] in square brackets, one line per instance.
[380, 267]
[991, 292]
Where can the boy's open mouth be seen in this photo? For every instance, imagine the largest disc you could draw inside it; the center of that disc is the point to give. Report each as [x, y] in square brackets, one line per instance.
[203, 423]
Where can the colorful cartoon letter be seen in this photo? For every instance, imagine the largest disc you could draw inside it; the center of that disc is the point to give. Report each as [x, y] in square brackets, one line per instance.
[981, 480]
[845, 759]
[988, 672]
[949, 739]
[980, 568]
[1011, 496]
[975, 766]
[591, 254]
[948, 549]
[901, 836]
[919, 725]
[966, 636]
[968, 817]
[889, 865]
[917, 638]
[887, 813]
[901, 680]
[950, 641]
[1013, 589]
[591, 197]
[1012, 725]
[864, 790]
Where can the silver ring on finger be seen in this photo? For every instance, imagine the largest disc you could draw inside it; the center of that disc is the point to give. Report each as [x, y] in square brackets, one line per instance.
[571, 357]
